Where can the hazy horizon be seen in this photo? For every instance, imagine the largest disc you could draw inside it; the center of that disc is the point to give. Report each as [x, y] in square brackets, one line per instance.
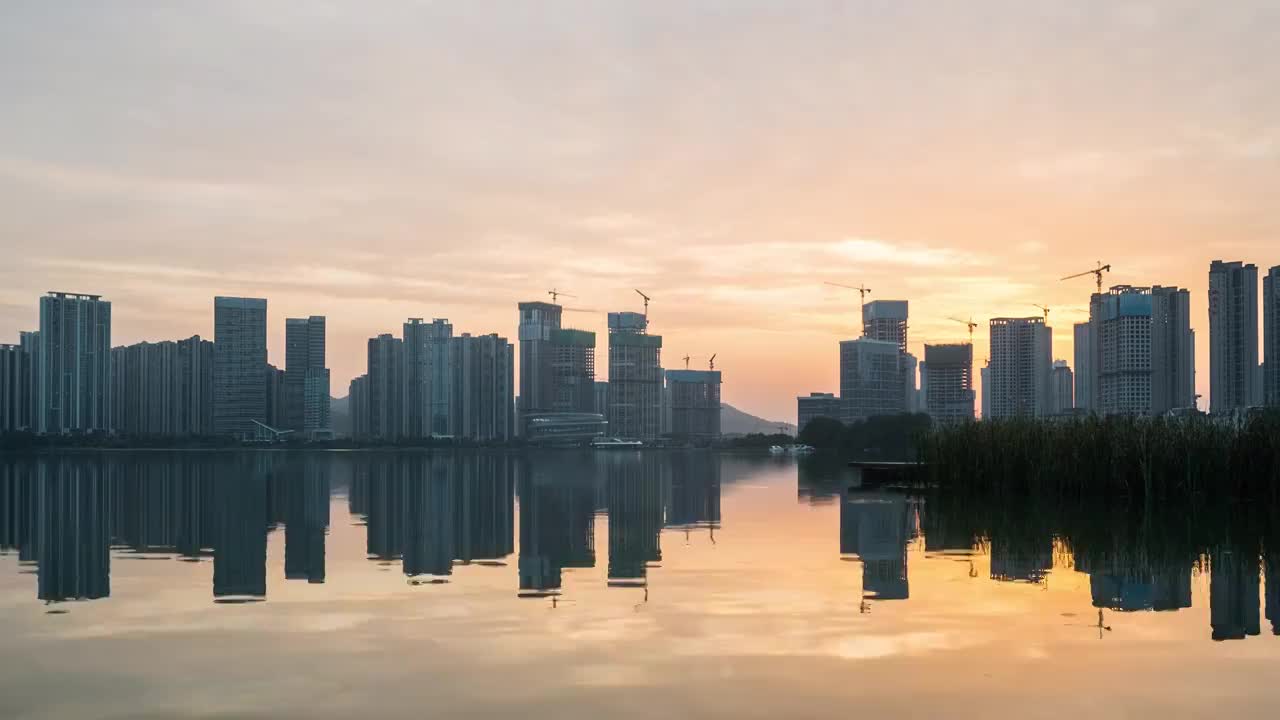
[420, 159]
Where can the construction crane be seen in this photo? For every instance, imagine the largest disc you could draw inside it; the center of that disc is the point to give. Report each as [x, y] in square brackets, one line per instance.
[1045, 308]
[972, 325]
[862, 290]
[1096, 273]
[555, 294]
[712, 362]
[687, 358]
[646, 306]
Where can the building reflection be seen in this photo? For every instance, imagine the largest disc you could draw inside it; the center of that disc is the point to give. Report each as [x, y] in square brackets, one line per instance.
[484, 515]
[73, 526]
[306, 518]
[1130, 583]
[1233, 592]
[1019, 561]
[557, 522]
[240, 519]
[636, 496]
[694, 492]
[875, 527]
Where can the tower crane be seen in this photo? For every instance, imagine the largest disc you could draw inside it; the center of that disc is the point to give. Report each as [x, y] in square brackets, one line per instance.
[862, 290]
[687, 358]
[972, 325]
[555, 294]
[646, 309]
[1045, 308]
[712, 361]
[1096, 273]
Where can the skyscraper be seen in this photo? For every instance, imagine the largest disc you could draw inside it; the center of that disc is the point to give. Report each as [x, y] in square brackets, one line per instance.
[871, 379]
[1061, 388]
[239, 365]
[537, 381]
[1084, 369]
[947, 375]
[74, 385]
[635, 377]
[814, 406]
[1271, 335]
[1120, 347]
[428, 378]
[1173, 350]
[386, 382]
[14, 387]
[306, 379]
[481, 387]
[694, 403]
[886, 320]
[163, 388]
[1233, 335]
[1021, 357]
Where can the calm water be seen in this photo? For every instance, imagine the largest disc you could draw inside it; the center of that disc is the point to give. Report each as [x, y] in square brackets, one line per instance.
[573, 585]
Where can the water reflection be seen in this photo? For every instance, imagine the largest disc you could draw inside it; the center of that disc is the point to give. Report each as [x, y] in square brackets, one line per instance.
[424, 516]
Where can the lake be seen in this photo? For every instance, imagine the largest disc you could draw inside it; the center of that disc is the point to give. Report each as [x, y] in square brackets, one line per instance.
[265, 584]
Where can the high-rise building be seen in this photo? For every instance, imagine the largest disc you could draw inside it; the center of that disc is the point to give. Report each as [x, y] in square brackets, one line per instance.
[428, 378]
[538, 320]
[1120, 346]
[1271, 335]
[277, 397]
[358, 406]
[163, 388]
[816, 405]
[1084, 369]
[74, 385]
[1061, 388]
[635, 377]
[385, 385]
[1173, 350]
[912, 397]
[947, 374]
[482, 386]
[239, 365]
[694, 400]
[871, 379]
[1021, 356]
[985, 374]
[1233, 335]
[602, 397]
[306, 378]
[573, 369]
[15, 388]
[886, 320]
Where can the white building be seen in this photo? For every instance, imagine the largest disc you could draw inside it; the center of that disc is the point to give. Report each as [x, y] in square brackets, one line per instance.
[1021, 357]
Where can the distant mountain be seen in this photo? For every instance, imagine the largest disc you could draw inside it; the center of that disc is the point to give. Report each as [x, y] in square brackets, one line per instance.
[735, 422]
[340, 415]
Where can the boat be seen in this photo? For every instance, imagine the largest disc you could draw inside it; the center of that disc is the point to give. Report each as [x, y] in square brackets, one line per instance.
[616, 444]
[790, 449]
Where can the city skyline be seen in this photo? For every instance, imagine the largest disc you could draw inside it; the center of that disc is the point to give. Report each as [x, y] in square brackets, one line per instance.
[605, 147]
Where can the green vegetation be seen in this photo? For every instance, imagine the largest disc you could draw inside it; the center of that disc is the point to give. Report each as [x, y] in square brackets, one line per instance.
[885, 437]
[1156, 459]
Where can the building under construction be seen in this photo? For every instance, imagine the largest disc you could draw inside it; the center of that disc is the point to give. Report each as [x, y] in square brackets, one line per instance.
[635, 378]
[693, 401]
[947, 378]
[557, 365]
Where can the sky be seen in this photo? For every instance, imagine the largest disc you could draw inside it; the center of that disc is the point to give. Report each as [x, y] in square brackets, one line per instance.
[377, 161]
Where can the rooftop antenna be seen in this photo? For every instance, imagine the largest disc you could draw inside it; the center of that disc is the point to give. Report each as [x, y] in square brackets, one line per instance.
[1096, 272]
[555, 294]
